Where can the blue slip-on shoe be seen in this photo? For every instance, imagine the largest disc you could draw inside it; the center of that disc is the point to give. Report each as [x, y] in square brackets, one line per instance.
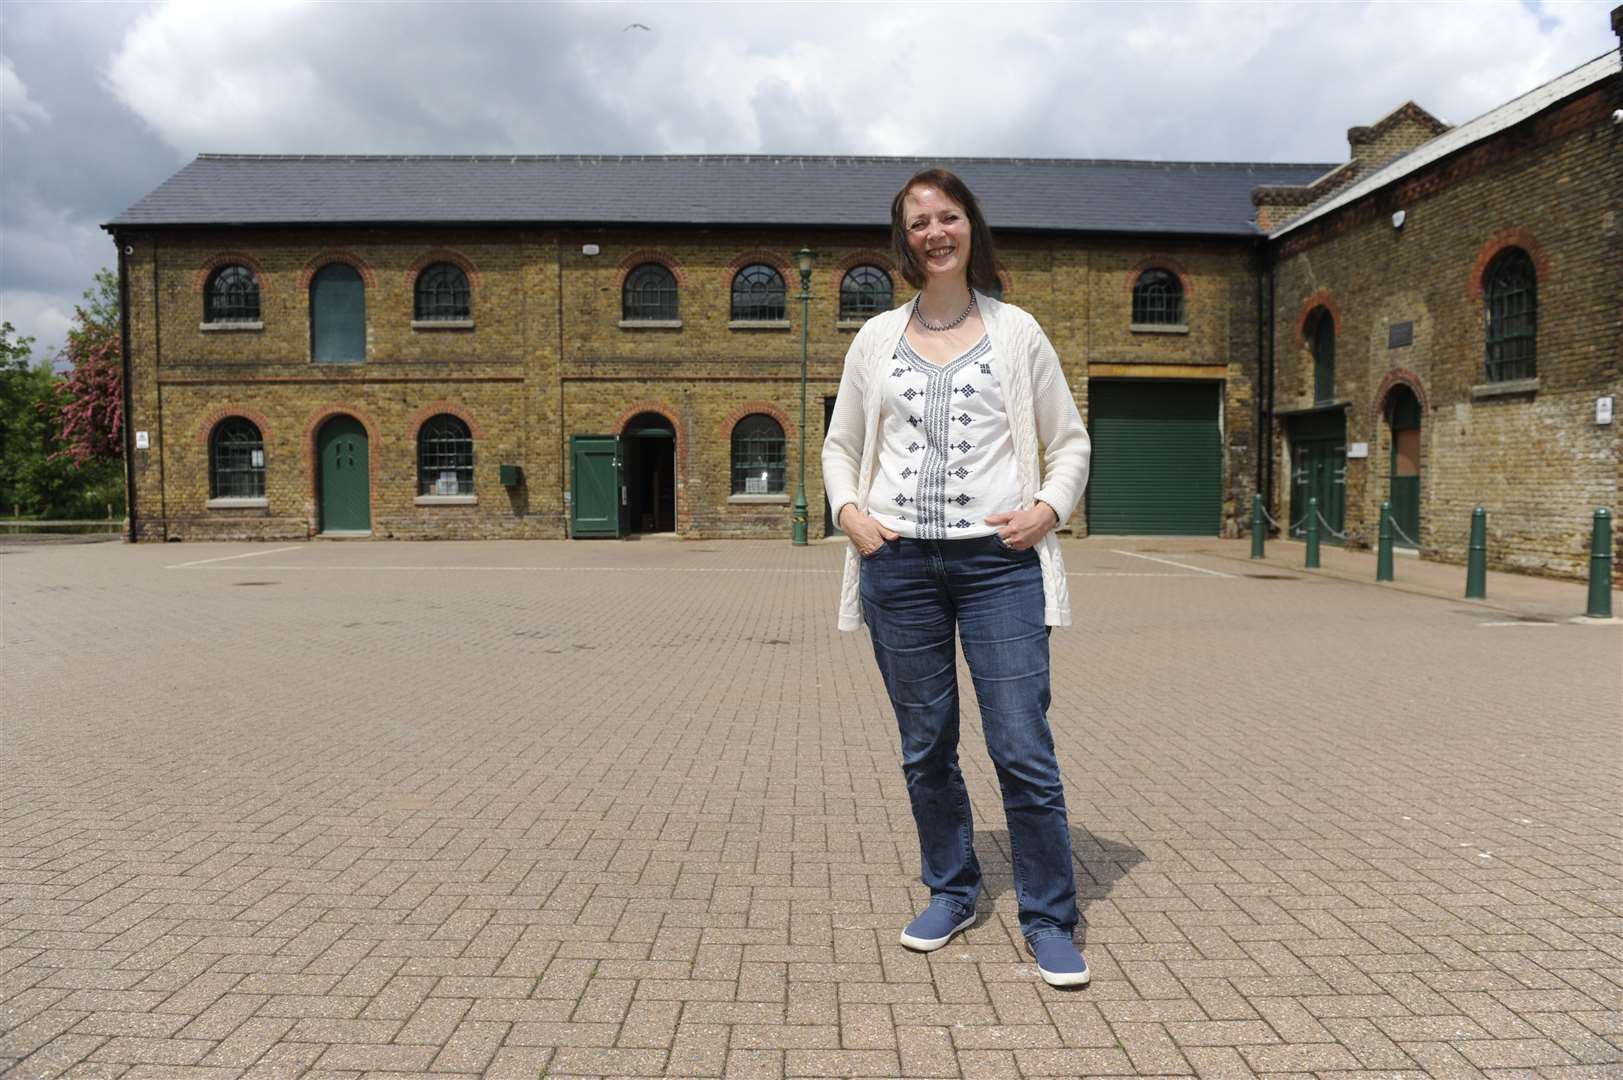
[1059, 963]
[934, 927]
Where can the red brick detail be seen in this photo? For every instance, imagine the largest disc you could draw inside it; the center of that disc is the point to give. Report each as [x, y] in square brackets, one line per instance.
[750, 258]
[1498, 242]
[322, 414]
[649, 255]
[230, 258]
[1158, 262]
[750, 408]
[869, 257]
[1323, 299]
[332, 255]
[439, 255]
[212, 420]
[1399, 377]
[684, 520]
[438, 408]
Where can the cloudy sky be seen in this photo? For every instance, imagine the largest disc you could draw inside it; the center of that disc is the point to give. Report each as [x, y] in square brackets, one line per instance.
[99, 103]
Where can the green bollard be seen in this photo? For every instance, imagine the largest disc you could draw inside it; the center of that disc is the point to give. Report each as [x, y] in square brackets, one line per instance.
[1383, 556]
[1256, 526]
[1476, 566]
[1312, 533]
[1600, 567]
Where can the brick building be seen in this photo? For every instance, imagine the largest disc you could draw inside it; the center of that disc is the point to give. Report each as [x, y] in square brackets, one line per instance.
[551, 346]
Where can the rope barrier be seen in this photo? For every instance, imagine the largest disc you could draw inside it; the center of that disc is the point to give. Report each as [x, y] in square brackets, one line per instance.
[1270, 517]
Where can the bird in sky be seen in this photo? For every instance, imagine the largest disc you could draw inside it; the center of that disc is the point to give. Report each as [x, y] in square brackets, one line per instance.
[635, 26]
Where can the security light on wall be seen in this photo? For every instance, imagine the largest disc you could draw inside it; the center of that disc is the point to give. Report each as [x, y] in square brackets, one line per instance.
[589, 249]
[1398, 218]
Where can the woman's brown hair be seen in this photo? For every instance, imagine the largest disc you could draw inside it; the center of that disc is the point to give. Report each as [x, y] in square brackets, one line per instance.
[983, 265]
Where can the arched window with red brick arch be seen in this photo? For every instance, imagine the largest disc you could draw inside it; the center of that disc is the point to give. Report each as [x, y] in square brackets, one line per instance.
[1321, 338]
[236, 460]
[1158, 298]
[444, 456]
[650, 294]
[442, 294]
[759, 456]
[1510, 291]
[231, 295]
[865, 291]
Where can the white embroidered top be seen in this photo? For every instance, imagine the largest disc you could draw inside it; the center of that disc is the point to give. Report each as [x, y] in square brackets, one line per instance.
[946, 458]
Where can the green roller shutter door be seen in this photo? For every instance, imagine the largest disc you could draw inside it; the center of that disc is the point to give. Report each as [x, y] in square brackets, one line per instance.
[1157, 458]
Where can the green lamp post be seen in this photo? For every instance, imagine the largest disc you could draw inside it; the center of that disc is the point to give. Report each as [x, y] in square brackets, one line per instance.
[803, 260]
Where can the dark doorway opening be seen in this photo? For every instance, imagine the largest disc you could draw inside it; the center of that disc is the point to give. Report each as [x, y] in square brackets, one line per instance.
[650, 473]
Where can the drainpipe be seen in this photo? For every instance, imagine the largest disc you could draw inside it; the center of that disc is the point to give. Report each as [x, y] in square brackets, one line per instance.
[124, 354]
[1264, 265]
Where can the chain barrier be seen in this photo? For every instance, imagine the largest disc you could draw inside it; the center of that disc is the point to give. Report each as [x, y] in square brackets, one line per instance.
[1328, 527]
[1412, 542]
[1270, 518]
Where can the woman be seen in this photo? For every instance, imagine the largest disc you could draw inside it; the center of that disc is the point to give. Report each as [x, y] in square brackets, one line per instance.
[954, 450]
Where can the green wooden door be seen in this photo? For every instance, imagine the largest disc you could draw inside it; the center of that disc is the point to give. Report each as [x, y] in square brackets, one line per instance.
[1319, 470]
[1157, 458]
[597, 490]
[1404, 415]
[337, 315]
[345, 481]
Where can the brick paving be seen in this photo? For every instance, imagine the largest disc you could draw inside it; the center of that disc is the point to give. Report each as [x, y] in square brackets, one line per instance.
[546, 809]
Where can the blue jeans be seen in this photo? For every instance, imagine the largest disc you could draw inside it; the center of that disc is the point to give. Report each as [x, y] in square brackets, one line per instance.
[914, 594]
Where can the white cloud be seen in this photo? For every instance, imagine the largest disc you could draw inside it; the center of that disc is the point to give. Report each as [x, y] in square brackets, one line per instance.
[15, 104]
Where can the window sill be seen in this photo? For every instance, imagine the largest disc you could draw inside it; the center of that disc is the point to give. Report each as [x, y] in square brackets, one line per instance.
[338, 363]
[1508, 388]
[650, 324]
[758, 500]
[239, 503]
[447, 500]
[230, 327]
[758, 324]
[850, 324]
[1158, 328]
[442, 324]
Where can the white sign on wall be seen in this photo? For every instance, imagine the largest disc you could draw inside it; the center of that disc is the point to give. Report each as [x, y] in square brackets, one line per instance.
[1358, 449]
[141, 442]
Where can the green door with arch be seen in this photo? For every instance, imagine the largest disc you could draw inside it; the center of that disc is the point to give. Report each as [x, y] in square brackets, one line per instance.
[1403, 416]
[344, 478]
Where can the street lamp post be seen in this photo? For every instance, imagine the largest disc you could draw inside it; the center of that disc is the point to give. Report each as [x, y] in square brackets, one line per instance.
[803, 260]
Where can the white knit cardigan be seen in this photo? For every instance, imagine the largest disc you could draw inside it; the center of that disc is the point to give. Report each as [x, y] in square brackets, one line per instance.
[1042, 416]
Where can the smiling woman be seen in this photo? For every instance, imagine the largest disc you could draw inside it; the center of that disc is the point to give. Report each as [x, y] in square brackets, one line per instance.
[954, 450]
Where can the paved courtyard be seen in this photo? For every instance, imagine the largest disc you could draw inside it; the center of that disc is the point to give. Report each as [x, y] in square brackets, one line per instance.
[635, 809]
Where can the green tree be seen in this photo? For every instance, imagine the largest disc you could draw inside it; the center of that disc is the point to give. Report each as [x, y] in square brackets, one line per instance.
[29, 478]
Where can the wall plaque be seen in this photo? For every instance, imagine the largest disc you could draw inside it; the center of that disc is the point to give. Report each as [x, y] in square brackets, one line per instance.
[1400, 334]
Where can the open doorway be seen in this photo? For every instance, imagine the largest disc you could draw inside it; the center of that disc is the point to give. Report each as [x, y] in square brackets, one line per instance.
[650, 473]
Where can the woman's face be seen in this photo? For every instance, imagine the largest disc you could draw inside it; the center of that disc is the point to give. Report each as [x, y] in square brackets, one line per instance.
[937, 233]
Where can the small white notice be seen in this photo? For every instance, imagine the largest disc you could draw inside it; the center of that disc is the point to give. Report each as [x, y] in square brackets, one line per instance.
[141, 441]
[446, 484]
[1603, 410]
[1358, 449]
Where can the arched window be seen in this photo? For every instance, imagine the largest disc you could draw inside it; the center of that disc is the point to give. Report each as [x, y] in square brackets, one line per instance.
[231, 295]
[1322, 327]
[442, 294]
[337, 315]
[236, 460]
[865, 291]
[758, 295]
[444, 457]
[649, 294]
[1510, 287]
[758, 456]
[1158, 298]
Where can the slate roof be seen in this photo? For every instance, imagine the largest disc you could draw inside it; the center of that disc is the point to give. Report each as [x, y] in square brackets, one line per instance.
[1494, 120]
[1202, 198]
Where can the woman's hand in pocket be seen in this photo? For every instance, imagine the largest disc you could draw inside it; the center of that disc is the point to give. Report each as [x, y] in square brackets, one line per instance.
[1021, 529]
[863, 531]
